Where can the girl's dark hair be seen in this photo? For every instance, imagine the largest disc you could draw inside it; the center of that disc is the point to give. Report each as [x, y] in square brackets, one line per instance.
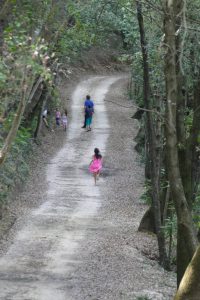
[97, 153]
[88, 97]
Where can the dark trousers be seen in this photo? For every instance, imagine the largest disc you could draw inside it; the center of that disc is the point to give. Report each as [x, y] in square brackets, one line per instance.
[84, 121]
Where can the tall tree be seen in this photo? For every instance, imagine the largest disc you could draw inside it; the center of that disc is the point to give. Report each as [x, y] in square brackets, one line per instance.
[153, 142]
[187, 241]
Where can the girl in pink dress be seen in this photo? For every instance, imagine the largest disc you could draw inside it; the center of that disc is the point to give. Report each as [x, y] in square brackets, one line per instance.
[96, 164]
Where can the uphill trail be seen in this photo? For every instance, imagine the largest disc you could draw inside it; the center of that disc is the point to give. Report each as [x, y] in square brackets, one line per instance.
[82, 242]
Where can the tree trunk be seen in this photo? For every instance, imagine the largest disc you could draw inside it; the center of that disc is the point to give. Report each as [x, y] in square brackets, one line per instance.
[187, 241]
[189, 288]
[193, 143]
[15, 124]
[39, 119]
[34, 97]
[148, 221]
[152, 144]
[5, 11]
[184, 159]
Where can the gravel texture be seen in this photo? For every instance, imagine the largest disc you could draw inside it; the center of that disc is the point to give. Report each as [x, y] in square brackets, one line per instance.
[113, 265]
[73, 240]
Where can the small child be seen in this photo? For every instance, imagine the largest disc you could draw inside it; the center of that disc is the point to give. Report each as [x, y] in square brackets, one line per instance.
[44, 117]
[96, 164]
[58, 117]
[64, 120]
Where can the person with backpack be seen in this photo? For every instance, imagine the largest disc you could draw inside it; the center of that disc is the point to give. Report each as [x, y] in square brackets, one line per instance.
[88, 102]
[89, 110]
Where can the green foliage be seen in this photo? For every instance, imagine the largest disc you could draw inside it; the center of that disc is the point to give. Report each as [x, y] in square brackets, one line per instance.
[23, 137]
[26, 56]
[95, 23]
[3, 74]
[74, 40]
[196, 208]
[170, 227]
[15, 170]
[8, 122]
[188, 121]
[146, 196]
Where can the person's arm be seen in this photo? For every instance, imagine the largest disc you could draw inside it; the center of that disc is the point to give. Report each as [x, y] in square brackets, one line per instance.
[92, 160]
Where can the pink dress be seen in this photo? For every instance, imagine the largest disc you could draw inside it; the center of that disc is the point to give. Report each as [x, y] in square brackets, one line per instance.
[96, 165]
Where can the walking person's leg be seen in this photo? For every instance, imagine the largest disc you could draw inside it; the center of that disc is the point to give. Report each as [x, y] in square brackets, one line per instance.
[58, 121]
[45, 122]
[95, 178]
[87, 124]
[85, 121]
[84, 125]
[90, 122]
[64, 126]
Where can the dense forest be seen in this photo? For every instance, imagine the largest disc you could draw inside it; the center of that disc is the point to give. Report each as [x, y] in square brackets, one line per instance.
[159, 42]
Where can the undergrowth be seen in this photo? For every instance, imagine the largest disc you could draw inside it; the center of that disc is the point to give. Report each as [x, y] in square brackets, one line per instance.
[15, 169]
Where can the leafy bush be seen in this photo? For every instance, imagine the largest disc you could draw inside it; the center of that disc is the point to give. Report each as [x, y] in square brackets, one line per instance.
[15, 169]
[146, 196]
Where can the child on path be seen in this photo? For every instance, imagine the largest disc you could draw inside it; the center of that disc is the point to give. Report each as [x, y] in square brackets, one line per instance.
[58, 117]
[44, 117]
[64, 120]
[96, 164]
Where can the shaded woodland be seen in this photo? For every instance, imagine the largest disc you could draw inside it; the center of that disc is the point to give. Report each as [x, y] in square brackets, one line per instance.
[40, 41]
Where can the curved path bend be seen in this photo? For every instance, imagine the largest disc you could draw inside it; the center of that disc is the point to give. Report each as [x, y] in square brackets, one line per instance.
[45, 251]
[82, 242]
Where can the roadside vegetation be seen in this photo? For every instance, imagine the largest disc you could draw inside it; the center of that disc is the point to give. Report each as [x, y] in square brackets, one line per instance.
[159, 41]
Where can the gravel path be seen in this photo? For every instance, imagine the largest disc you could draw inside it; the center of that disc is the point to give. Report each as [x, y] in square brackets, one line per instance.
[82, 241]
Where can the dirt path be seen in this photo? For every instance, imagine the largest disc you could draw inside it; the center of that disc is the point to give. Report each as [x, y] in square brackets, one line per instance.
[82, 242]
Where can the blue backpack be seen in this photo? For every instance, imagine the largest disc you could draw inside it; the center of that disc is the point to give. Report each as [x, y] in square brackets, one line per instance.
[89, 111]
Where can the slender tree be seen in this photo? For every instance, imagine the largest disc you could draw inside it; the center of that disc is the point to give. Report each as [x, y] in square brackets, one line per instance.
[187, 241]
[16, 122]
[153, 142]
